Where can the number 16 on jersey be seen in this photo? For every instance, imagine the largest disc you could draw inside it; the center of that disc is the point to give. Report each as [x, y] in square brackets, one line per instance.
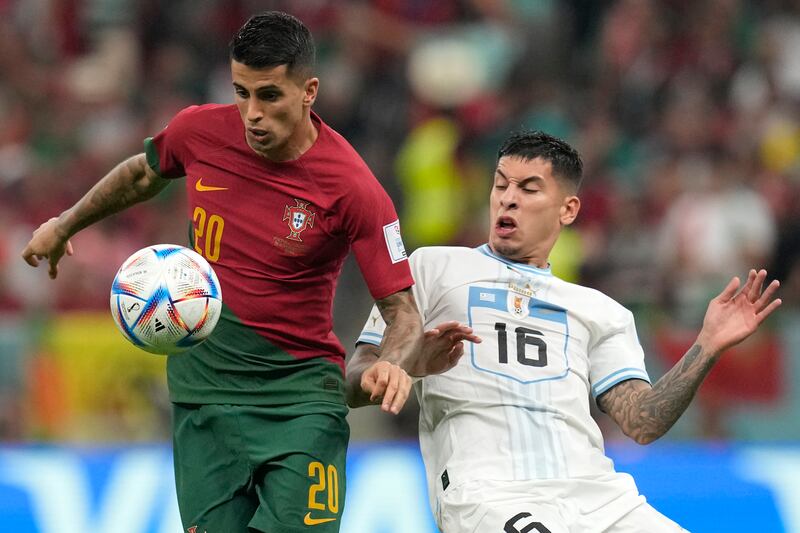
[530, 337]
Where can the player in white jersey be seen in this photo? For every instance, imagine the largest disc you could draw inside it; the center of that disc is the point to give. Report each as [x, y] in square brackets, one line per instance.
[506, 435]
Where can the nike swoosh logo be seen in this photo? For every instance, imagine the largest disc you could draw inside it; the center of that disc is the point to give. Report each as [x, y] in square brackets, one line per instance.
[307, 520]
[204, 188]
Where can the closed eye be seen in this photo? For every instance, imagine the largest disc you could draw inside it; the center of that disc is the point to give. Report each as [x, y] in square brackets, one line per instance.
[268, 96]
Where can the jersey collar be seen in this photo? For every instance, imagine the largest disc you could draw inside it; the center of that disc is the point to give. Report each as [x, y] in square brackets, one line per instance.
[521, 267]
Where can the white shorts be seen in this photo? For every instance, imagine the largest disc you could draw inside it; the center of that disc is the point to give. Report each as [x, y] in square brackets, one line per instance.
[607, 505]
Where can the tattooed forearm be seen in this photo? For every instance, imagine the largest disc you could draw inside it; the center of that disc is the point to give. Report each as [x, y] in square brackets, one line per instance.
[130, 182]
[402, 339]
[645, 413]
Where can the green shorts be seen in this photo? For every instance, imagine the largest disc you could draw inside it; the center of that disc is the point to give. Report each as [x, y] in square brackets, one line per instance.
[241, 469]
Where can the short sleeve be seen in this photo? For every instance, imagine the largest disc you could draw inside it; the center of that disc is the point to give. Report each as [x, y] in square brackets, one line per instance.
[372, 332]
[167, 153]
[373, 229]
[617, 357]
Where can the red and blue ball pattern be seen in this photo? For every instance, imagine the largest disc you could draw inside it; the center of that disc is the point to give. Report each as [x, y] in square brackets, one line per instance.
[165, 299]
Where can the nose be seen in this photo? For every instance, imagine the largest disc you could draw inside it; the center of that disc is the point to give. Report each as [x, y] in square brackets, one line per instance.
[254, 112]
[508, 199]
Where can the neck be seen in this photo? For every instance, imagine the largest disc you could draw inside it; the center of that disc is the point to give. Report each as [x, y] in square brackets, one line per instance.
[301, 140]
[531, 260]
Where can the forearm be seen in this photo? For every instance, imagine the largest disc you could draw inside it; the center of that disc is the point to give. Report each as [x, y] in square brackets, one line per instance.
[130, 182]
[646, 413]
[364, 356]
[402, 339]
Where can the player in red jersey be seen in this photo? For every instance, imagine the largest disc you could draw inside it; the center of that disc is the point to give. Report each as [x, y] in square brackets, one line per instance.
[276, 200]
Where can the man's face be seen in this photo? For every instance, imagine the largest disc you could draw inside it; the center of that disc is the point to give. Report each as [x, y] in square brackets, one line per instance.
[272, 104]
[528, 207]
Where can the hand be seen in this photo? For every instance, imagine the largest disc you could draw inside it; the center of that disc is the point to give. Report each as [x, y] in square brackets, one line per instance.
[387, 381]
[443, 346]
[735, 314]
[48, 242]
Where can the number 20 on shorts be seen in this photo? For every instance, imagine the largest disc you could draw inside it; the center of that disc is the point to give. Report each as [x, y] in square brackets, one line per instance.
[325, 480]
[210, 227]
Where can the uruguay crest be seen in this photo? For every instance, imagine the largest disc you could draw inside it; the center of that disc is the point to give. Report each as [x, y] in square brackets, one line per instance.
[518, 305]
[299, 219]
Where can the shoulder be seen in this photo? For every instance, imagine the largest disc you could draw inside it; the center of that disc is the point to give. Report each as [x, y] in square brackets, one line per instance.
[336, 155]
[206, 117]
[436, 262]
[442, 253]
[207, 111]
[595, 305]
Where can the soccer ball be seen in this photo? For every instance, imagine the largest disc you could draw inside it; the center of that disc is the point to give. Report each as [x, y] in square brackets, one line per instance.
[165, 299]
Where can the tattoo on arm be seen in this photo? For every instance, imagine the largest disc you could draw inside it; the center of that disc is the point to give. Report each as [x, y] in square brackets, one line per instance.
[403, 336]
[645, 413]
[130, 182]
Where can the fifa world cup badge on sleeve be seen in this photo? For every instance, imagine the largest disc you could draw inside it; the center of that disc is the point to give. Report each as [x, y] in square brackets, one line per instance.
[394, 242]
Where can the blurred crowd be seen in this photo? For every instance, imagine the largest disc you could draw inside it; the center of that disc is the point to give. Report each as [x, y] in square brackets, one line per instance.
[685, 112]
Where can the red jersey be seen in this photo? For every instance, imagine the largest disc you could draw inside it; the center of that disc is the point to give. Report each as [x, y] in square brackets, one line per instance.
[277, 234]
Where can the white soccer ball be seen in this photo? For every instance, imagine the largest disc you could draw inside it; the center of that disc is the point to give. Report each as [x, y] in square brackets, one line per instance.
[165, 299]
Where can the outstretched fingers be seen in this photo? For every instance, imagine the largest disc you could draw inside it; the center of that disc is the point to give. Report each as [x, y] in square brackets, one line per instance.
[729, 291]
[773, 305]
[765, 305]
[444, 327]
[757, 285]
[454, 331]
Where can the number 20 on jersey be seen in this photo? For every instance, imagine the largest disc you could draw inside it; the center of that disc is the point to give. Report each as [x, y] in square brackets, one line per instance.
[207, 233]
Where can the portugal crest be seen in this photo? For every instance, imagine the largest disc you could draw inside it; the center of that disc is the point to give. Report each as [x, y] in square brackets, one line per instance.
[299, 219]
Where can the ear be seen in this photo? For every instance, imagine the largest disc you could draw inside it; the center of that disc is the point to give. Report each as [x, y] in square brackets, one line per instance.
[569, 210]
[310, 88]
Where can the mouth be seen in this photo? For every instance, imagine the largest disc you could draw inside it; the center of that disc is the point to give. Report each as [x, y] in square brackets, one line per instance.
[257, 134]
[505, 226]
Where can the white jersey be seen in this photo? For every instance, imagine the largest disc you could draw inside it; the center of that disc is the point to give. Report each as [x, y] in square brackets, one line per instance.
[516, 407]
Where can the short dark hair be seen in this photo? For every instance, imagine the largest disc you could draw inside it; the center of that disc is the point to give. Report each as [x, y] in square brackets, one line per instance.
[528, 145]
[274, 38]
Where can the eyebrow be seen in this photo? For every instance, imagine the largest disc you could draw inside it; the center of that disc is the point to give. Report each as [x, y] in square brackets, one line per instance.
[523, 181]
[270, 87]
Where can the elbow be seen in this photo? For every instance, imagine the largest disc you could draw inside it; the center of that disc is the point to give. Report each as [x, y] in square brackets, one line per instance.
[353, 399]
[645, 438]
[352, 402]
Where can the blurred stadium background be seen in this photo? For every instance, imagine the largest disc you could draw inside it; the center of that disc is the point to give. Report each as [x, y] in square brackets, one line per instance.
[686, 113]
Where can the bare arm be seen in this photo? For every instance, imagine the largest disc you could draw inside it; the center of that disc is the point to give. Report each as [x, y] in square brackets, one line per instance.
[383, 376]
[442, 348]
[403, 336]
[645, 413]
[130, 182]
[363, 358]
